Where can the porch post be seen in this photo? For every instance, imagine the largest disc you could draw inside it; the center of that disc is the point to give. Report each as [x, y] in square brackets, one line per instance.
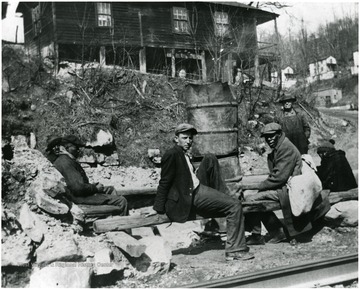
[203, 66]
[173, 69]
[256, 58]
[102, 55]
[142, 58]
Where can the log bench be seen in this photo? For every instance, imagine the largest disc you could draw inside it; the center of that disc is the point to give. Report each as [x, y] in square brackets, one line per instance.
[118, 223]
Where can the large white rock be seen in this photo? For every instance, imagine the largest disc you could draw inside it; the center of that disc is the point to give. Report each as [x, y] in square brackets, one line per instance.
[16, 250]
[31, 224]
[157, 257]
[103, 261]
[102, 138]
[62, 275]
[181, 235]
[62, 249]
[343, 214]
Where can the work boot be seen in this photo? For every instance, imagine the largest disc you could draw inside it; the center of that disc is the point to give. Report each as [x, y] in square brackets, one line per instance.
[239, 255]
[277, 237]
[255, 239]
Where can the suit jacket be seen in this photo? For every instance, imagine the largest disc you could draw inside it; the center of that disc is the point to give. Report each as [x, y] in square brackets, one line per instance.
[175, 191]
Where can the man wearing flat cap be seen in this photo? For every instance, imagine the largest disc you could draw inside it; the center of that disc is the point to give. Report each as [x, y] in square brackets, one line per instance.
[182, 193]
[64, 151]
[294, 123]
[284, 161]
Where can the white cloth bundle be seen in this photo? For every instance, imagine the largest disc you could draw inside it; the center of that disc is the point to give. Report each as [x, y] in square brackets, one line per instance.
[305, 188]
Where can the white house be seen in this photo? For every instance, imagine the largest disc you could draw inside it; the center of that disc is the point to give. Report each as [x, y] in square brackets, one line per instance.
[287, 77]
[327, 97]
[322, 69]
[355, 68]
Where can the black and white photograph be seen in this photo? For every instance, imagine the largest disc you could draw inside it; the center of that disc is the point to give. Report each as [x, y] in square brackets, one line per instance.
[168, 144]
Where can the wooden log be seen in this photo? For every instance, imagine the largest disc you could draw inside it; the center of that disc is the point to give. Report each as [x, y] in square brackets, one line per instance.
[128, 222]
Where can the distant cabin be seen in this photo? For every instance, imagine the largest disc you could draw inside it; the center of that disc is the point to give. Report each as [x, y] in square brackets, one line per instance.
[327, 97]
[322, 69]
[288, 77]
[355, 68]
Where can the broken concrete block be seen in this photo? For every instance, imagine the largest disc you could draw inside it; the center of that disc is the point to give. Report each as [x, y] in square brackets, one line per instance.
[181, 235]
[158, 250]
[142, 232]
[58, 250]
[31, 224]
[50, 205]
[16, 250]
[62, 275]
[77, 213]
[104, 263]
[19, 143]
[112, 160]
[343, 214]
[127, 243]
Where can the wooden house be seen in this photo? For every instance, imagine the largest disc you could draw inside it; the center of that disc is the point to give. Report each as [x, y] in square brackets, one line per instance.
[322, 69]
[204, 40]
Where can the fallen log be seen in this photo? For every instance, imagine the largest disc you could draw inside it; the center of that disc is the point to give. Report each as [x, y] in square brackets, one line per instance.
[118, 223]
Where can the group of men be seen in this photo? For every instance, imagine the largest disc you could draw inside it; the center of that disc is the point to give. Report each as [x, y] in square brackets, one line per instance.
[185, 192]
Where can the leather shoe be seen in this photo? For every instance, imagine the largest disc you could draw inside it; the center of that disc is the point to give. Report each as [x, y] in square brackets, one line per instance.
[239, 255]
[278, 238]
[255, 239]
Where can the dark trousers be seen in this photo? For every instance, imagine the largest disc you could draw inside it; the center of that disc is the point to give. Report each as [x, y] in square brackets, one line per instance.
[109, 197]
[210, 202]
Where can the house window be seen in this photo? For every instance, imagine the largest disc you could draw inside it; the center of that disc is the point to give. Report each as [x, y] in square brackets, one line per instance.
[35, 14]
[103, 14]
[221, 23]
[180, 20]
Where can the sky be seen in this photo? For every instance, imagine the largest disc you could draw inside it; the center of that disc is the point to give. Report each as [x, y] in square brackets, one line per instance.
[314, 13]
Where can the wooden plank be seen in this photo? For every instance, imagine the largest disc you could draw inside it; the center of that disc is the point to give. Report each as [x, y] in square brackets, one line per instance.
[92, 211]
[122, 223]
[127, 243]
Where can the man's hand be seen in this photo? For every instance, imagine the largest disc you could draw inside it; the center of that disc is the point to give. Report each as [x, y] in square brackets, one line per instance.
[239, 187]
[100, 187]
[150, 212]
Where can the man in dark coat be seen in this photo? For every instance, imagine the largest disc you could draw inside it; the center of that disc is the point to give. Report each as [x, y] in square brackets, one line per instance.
[64, 151]
[334, 171]
[284, 161]
[182, 194]
[294, 124]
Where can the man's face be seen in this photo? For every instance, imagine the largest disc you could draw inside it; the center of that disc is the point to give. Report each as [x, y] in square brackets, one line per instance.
[288, 105]
[184, 140]
[272, 139]
[73, 149]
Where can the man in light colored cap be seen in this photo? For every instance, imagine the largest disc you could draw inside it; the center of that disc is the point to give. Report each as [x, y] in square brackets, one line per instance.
[284, 161]
[294, 123]
[65, 150]
[182, 193]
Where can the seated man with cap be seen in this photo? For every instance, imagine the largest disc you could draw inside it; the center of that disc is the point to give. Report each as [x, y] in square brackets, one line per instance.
[334, 171]
[64, 151]
[294, 124]
[182, 193]
[284, 161]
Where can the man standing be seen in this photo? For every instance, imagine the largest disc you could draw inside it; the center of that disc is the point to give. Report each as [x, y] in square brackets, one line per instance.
[294, 124]
[182, 195]
[65, 150]
[284, 161]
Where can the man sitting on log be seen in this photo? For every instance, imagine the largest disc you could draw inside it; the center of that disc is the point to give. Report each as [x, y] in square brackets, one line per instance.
[182, 193]
[64, 151]
[284, 161]
[334, 171]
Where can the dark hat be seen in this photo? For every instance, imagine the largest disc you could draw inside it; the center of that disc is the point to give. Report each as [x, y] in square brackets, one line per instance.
[185, 127]
[271, 128]
[72, 139]
[325, 145]
[287, 97]
[54, 141]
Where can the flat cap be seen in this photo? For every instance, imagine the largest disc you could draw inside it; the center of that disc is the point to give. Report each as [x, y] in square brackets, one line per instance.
[185, 127]
[287, 97]
[270, 128]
